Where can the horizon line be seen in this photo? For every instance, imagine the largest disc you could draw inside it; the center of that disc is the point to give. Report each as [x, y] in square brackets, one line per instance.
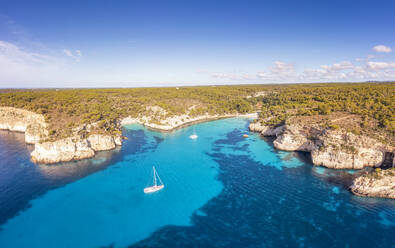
[199, 85]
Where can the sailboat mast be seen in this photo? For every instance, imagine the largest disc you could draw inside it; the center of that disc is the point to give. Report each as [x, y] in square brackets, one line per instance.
[154, 175]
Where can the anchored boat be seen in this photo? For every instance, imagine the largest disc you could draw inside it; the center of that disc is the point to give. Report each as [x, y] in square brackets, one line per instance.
[156, 186]
[193, 136]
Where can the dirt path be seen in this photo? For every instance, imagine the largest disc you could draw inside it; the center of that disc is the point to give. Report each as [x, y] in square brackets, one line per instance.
[338, 119]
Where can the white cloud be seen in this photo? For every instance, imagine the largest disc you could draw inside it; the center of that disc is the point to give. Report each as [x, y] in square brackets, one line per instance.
[233, 76]
[75, 56]
[381, 65]
[278, 71]
[246, 76]
[338, 72]
[68, 52]
[16, 55]
[220, 75]
[382, 49]
[282, 69]
[261, 74]
[19, 65]
[338, 66]
[346, 71]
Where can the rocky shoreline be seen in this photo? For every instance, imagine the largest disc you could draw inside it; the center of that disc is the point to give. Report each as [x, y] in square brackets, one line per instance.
[379, 183]
[176, 122]
[73, 148]
[338, 149]
[20, 120]
[81, 146]
[63, 150]
[334, 149]
[330, 148]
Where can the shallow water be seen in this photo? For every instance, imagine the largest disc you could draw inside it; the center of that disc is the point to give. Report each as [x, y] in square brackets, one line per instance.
[221, 190]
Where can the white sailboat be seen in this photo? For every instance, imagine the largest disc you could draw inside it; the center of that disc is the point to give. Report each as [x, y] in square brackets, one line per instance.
[156, 186]
[193, 136]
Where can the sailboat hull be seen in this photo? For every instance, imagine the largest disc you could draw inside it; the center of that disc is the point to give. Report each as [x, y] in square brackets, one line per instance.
[153, 189]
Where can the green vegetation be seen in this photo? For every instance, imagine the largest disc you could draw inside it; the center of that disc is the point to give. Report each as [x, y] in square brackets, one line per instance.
[372, 101]
[69, 108]
[379, 173]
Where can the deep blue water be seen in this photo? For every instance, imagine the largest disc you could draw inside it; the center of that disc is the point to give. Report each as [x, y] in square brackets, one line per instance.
[221, 190]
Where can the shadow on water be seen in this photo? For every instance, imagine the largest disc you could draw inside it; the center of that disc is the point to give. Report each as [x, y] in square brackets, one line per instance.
[261, 206]
[341, 178]
[22, 180]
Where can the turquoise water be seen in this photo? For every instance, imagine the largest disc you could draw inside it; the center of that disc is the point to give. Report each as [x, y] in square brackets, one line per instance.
[221, 190]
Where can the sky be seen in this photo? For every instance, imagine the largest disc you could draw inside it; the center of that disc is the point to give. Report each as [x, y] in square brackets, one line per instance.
[167, 43]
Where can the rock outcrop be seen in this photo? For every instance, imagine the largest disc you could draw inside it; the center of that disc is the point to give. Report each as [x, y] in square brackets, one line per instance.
[20, 120]
[330, 148]
[379, 183]
[266, 130]
[257, 127]
[101, 142]
[73, 148]
[342, 150]
[294, 138]
[118, 140]
[63, 150]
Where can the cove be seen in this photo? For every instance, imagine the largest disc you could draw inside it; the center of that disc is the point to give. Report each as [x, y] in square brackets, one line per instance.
[221, 190]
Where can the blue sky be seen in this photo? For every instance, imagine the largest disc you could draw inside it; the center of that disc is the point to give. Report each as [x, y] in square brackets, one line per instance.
[155, 43]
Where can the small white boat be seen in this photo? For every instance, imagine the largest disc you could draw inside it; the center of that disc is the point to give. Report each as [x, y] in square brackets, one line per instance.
[156, 186]
[193, 136]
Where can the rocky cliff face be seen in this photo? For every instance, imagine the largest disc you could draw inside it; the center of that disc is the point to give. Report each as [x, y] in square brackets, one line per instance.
[73, 148]
[68, 149]
[341, 150]
[375, 184]
[294, 138]
[329, 148]
[62, 151]
[266, 130]
[101, 142]
[21, 120]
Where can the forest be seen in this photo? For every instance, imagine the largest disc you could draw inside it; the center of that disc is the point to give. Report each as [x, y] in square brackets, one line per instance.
[68, 108]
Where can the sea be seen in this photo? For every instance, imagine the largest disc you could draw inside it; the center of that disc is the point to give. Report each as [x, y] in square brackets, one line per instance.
[221, 190]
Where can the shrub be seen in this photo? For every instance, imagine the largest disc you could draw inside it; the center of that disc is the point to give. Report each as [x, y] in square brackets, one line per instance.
[334, 127]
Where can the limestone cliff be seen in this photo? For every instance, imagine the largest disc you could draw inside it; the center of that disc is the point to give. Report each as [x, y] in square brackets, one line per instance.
[330, 148]
[266, 130]
[73, 148]
[62, 151]
[20, 120]
[68, 149]
[294, 138]
[343, 150]
[101, 142]
[380, 183]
